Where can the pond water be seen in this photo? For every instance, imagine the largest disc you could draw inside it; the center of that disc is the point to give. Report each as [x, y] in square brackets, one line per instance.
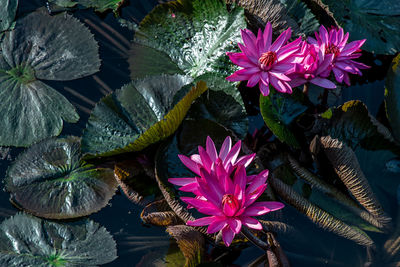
[139, 244]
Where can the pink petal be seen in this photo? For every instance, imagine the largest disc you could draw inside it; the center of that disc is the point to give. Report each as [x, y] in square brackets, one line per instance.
[261, 208]
[281, 40]
[245, 160]
[346, 67]
[212, 183]
[201, 221]
[190, 187]
[259, 180]
[181, 181]
[233, 153]
[216, 225]
[196, 158]
[251, 223]
[264, 88]
[325, 83]
[325, 63]
[346, 79]
[227, 235]
[226, 146]
[205, 159]
[240, 177]
[237, 78]
[193, 166]
[280, 86]
[260, 42]
[324, 34]
[235, 225]
[251, 198]
[240, 59]
[352, 47]
[249, 41]
[280, 76]
[249, 54]
[202, 206]
[267, 37]
[253, 80]
[210, 148]
[339, 74]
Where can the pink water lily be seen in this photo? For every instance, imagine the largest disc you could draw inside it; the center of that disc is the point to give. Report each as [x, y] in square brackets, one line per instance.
[335, 43]
[264, 62]
[312, 65]
[213, 162]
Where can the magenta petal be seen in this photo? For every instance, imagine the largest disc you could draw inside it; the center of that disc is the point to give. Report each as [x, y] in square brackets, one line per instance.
[226, 146]
[267, 36]
[255, 78]
[227, 235]
[240, 177]
[210, 148]
[264, 89]
[324, 34]
[196, 158]
[181, 181]
[240, 59]
[193, 166]
[256, 210]
[235, 225]
[189, 187]
[253, 58]
[233, 154]
[252, 197]
[202, 221]
[280, 41]
[325, 83]
[249, 41]
[205, 159]
[259, 180]
[237, 78]
[280, 76]
[251, 223]
[216, 225]
[245, 160]
[352, 47]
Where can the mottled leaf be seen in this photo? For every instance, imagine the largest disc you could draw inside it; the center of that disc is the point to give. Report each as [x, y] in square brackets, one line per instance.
[7, 13]
[49, 180]
[29, 241]
[190, 36]
[98, 5]
[139, 114]
[302, 15]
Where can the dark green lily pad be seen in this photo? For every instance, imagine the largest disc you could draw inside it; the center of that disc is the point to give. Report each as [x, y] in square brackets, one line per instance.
[279, 111]
[29, 241]
[302, 15]
[374, 20]
[190, 37]
[139, 114]
[354, 125]
[7, 13]
[41, 47]
[49, 180]
[392, 97]
[98, 5]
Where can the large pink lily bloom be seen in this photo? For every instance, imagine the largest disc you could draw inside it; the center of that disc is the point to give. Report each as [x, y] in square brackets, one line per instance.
[264, 62]
[230, 202]
[335, 43]
[310, 66]
[213, 162]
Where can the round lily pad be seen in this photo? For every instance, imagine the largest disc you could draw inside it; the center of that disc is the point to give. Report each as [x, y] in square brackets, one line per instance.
[139, 114]
[188, 37]
[41, 47]
[49, 180]
[29, 241]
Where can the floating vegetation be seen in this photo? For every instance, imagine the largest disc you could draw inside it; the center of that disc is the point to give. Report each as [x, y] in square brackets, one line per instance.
[30, 241]
[50, 180]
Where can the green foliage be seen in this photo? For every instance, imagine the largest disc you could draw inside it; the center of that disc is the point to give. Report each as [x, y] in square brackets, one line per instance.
[98, 5]
[374, 20]
[29, 241]
[139, 114]
[50, 180]
[7, 13]
[189, 36]
[302, 15]
[279, 111]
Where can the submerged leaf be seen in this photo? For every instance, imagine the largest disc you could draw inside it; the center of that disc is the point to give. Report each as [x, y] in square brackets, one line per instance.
[7, 13]
[190, 36]
[319, 216]
[190, 242]
[139, 114]
[48, 48]
[346, 165]
[159, 213]
[49, 180]
[279, 111]
[392, 96]
[374, 20]
[29, 241]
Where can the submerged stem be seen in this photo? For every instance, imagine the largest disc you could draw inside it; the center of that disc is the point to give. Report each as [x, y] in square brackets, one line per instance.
[255, 240]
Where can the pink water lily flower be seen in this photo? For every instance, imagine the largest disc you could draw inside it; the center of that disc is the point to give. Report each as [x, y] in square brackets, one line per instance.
[213, 162]
[264, 62]
[230, 202]
[335, 43]
[311, 66]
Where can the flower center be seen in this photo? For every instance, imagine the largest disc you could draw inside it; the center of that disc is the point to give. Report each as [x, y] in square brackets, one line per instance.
[230, 204]
[332, 49]
[267, 59]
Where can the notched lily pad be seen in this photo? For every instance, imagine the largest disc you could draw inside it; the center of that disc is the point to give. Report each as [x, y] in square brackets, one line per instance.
[29, 241]
[279, 111]
[190, 36]
[50, 180]
[41, 47]
[374, 20]
[139, 114]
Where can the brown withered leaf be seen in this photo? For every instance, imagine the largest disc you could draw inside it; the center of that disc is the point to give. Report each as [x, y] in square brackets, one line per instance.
[160, 214]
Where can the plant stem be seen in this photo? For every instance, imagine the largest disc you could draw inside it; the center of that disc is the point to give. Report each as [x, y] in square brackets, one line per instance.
[255, 240]
[305, 88]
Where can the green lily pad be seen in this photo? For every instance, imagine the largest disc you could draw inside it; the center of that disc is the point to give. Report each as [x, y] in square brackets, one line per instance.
[29, 241]
[98, 5]
[190, 37]
[50, 180]
[139, 114]
[7, 13]
[392, 97]
[302, 15]
[374, 20]
[354, 125]
[41, 47]
[279, 111]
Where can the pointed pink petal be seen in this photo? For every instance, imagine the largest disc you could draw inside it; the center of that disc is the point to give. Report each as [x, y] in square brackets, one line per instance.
[233, 153]
[182, 181]
[201, 221]
[347, 68]
[260, 42]
[216, 225]
[249, 41]
[205, 159]
[196, 158]
[245, 160]
[258, 180]
[227, 235]
[250, 55]
[324, 34]
[193, 166]
[261, 208]
[267, 37]
[346, 79]
[280, 86]
[240, 177]
[251, 223]
[255, 78]
[235, 225]
[237, 78]
[202, 206]
[339, 74]
[190, 187]
[280, 76]
[325, 83]
[210, 148]
[281, 40]
[325, 63]
[312, 41]
[251, 198]
[240, 59]
[352, 47]
[226, 146]
[264, 88]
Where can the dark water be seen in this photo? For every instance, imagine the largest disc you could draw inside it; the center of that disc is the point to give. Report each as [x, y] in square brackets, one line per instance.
[142, 245]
